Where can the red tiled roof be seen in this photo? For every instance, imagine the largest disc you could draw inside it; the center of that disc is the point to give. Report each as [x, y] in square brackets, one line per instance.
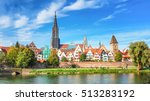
[124, 53]
[126, 56]
[63, 50]
[64, 46]
[38, 51]
[4, 48]
[90, 47]
[69, 51]
[94, 51]
[81, 45]
[99, 51]
[41, 61]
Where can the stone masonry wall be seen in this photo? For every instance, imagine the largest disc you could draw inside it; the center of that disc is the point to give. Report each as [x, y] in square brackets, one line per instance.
[96, 64]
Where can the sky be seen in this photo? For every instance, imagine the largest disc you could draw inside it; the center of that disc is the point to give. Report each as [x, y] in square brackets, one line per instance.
[32, 20]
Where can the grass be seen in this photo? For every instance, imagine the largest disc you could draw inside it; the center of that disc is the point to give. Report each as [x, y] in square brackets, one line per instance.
[69, 71]
[145, 71]
[57, 71]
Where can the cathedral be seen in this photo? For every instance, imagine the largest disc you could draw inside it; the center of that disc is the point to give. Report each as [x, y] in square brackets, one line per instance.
[73, 51]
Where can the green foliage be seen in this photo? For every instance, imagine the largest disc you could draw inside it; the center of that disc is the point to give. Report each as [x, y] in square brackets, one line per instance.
[12, 56]
[74, 66]
[58, 71]
[53, 58]
[140, 53]
[146, 58]
[20, 57]
[17, 45]
[64, 59]
[118, 57]
[2, 57]
[110, 60]
[27, 46]
[83, 57]
[25, 58]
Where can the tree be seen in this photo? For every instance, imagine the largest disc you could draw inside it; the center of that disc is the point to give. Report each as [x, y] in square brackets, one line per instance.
[27, 46]
[64, 59]
[139, 52]
[12, 56]
[83, 57]
[146, 58]
[118, 57]
[17, 45]
[53, 58]
[25, 58]
[2, 57]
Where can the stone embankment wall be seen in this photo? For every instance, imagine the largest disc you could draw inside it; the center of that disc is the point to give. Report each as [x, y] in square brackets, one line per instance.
[97, 64]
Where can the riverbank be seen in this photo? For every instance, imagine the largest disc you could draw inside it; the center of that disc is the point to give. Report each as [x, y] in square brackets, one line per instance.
[68, 71]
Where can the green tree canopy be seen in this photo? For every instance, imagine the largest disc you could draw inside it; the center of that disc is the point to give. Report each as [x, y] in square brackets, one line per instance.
[118, 57]
[64, 59]
[140, 54]
[2, 57]
[53, 58]
[12, 56]
[146, 58]
[17, 45]
[25, 58]
[83, 57]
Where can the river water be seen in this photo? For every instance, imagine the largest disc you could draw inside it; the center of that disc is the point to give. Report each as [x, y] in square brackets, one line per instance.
[131, 78]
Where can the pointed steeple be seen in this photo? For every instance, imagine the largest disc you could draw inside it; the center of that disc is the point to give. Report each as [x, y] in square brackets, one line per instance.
[55, 26]
[100, 44]
[85, 43]
[113, 40]
[55, 41]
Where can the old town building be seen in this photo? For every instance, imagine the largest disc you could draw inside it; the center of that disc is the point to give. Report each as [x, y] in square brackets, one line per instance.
[114, 45]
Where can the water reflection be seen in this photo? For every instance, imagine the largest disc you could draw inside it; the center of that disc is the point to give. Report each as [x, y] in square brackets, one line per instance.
[131, 78]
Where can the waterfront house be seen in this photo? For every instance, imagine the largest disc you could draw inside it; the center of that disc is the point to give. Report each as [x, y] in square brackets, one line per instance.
[45, 53]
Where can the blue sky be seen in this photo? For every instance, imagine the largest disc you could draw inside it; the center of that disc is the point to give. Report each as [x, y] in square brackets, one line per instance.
[32, 20]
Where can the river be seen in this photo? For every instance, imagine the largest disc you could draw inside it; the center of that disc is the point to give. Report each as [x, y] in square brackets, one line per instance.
[131, 78]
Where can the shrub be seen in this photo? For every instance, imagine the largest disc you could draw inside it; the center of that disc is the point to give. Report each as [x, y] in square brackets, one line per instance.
[64, 59]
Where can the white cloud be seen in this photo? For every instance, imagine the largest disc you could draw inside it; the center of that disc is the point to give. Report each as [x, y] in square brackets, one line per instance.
[6, 40]
[119, 11]
[1, 36]
[84, 4]
[120, 6]
[24, 37]
[5, 21]
[22, 21]
[111, 16]
[123, 0]
[25, 34]
[47, 14]
[107, 18]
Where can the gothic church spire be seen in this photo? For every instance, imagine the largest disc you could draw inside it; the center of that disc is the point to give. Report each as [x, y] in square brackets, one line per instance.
[55, 41]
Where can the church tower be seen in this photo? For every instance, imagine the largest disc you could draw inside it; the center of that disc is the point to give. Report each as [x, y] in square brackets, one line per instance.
[85, 42]
[55, 41]
[114, 45]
